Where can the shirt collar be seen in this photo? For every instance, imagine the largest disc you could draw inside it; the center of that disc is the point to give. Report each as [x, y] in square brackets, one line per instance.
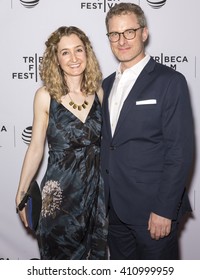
[135, 69]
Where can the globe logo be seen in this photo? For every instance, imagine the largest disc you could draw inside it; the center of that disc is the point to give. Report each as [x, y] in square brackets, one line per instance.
[29, 3]
[156, 4]
[27, 134]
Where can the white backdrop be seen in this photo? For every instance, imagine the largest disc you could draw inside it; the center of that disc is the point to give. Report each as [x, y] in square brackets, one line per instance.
[24, 28]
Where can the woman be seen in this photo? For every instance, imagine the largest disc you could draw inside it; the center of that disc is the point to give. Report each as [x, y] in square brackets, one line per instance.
[67, 111]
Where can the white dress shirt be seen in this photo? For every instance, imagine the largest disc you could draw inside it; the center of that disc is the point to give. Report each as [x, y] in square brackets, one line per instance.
[121, 88]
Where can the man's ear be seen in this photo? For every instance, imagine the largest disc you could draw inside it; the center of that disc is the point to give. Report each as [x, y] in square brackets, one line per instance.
[145, 34]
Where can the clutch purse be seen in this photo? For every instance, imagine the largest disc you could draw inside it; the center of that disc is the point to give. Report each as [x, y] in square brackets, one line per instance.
[32, 201]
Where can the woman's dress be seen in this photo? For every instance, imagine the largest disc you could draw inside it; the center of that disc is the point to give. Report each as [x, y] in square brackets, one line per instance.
[73, 222]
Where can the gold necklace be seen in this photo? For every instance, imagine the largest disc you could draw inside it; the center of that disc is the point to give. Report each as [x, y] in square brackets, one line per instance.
[76, 106]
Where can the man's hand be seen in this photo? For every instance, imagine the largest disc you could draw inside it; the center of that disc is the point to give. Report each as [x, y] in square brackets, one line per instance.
[159, 226]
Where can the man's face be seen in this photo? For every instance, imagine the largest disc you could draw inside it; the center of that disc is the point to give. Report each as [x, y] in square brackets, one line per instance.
[128, 52]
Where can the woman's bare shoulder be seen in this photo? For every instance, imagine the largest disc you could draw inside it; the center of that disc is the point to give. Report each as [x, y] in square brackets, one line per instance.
[42, 98]
[42, 92]
[100, 94]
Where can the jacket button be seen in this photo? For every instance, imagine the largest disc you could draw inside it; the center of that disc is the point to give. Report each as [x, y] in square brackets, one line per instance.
[107, 171]
[112, 148]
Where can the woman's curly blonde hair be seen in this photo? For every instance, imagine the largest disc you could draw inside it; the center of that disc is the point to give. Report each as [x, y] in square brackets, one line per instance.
[51, 73]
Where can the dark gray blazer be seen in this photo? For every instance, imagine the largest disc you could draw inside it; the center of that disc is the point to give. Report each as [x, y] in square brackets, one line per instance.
[147, 162]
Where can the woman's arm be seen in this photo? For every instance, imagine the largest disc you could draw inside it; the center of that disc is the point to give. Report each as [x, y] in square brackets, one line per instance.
[35, 150]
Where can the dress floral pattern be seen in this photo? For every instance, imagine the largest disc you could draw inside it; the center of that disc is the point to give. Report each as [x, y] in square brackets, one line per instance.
[73, 222]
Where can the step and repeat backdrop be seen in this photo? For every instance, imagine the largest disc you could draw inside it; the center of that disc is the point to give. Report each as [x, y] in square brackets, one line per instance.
[25, 25]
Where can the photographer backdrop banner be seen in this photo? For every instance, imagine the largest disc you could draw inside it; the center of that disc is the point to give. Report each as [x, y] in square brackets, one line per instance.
[25, 26]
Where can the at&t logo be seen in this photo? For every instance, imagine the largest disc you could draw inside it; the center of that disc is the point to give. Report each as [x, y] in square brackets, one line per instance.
[156, 4]
[29, 3]
[27, 134]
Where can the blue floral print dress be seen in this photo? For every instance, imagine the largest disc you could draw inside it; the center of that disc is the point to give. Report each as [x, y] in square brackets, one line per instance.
[73, 222]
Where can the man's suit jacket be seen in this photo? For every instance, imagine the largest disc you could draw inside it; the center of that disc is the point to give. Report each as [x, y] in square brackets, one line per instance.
[146, 164]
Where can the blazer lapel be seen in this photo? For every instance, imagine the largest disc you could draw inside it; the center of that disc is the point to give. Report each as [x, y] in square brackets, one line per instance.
[107, 89]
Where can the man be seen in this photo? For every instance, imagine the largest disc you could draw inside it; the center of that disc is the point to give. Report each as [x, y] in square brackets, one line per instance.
[147, 144]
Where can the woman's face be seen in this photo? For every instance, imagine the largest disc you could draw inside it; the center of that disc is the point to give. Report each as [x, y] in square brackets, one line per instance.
[72, 55]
